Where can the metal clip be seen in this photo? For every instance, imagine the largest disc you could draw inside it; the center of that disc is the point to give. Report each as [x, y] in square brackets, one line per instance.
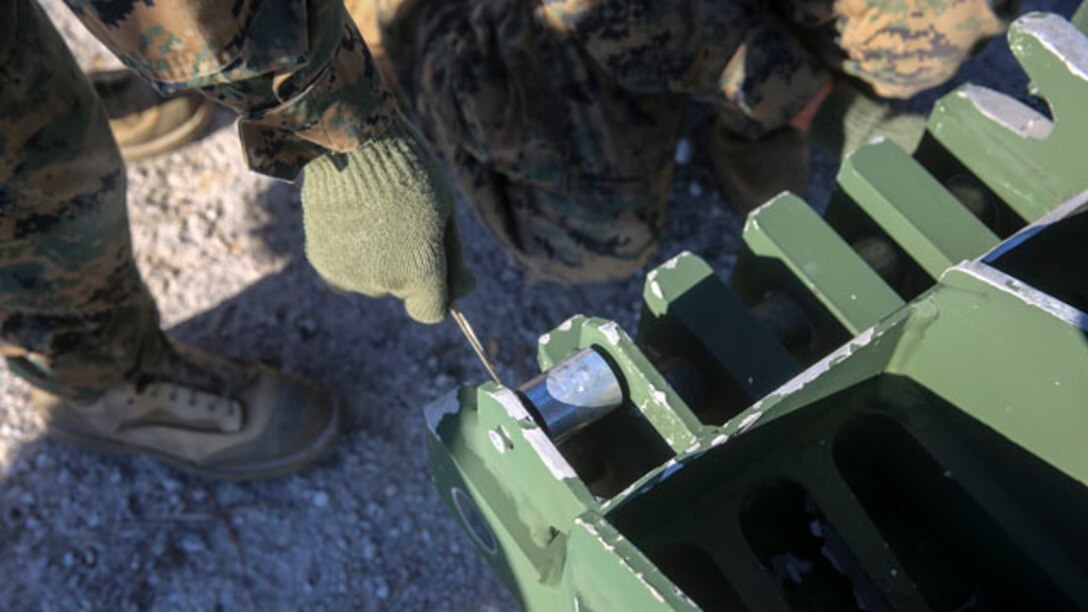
[474, 342]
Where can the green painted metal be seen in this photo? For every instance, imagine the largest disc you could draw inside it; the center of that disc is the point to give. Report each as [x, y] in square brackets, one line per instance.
[689, 311]
[1080, 18]
[646, 388]
[913, 208]
[787, 230]
[934, 460]
[1027, 159]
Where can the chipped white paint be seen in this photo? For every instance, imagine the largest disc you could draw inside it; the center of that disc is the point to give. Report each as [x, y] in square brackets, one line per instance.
[546, 338]
[1007, 112]
[566, 325]
[672, 263]
[612, 333]
[656, 290]
[534, 436]
[1060, 38]
[1025, 293]
[684, 596]
[748, 421]
[671, 467]
[439, 409]
[819, 368]
[693, 448]
[719, 440]
[657, 395]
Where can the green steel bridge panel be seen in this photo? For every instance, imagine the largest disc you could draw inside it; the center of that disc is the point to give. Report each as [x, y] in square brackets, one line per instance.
[683, 297]
[1031, 162]
[647, 389]
[507, 483]
[788, 230]
[919, 214]
[1080, 18]
[934, 460]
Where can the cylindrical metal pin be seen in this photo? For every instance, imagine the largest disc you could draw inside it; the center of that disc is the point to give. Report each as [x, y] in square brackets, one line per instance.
[574, 394]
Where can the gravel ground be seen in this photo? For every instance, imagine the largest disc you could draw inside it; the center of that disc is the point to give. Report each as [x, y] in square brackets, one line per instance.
[220, 248]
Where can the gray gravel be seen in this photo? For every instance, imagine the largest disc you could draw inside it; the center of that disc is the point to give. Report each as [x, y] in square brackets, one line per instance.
[220, 248]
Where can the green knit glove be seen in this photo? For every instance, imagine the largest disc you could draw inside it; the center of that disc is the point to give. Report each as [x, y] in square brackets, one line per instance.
[849, 119]
[380, 221]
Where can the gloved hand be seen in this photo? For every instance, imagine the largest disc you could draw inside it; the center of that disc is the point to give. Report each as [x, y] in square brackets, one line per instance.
[380, 220]
[848, 119]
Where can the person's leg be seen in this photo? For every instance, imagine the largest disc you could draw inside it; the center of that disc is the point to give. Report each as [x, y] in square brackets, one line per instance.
[73, 310]
[569, 170]
[76, 320]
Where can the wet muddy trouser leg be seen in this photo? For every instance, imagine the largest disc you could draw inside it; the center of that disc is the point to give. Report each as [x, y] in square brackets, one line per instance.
[73, 310]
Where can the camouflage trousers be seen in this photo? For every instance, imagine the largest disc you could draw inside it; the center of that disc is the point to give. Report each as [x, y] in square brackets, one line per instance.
[559, 118]
[73, 310]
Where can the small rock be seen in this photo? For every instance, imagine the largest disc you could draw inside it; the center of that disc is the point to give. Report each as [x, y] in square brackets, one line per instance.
[508, 276]
[695, 189]
[684, 152]
[368, 549]
[192, 543]
[321, 499]
[43, 461]
[90, 557]
[68, 559]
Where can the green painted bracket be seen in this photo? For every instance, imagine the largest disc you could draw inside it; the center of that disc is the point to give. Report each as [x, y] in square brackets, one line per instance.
[959, 361]
[916, 211]
[1030, 162]
[513, 491]
[646, 388]
[608, 572]
[787, 230]
[684, 298]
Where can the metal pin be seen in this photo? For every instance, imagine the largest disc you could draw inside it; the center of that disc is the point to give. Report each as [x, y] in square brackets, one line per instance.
[474, 342]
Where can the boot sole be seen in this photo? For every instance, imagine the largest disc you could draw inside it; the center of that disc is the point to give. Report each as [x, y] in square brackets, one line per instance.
[322, 448]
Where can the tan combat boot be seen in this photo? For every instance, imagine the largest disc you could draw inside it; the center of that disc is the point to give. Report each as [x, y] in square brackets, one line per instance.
[203, 413]
[145, 123]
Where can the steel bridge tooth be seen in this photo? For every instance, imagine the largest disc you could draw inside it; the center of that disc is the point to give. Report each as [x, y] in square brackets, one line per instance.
[1019, 153]
[788, 247]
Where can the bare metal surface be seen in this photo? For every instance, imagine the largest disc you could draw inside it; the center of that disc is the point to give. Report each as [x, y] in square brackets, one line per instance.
[574, 394]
